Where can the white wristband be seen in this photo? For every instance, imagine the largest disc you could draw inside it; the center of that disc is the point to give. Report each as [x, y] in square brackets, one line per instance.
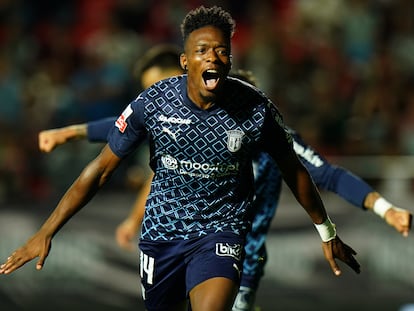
[381, 206]
[327, 230]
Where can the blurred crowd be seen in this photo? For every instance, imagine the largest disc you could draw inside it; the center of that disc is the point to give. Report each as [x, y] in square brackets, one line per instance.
[341, 72]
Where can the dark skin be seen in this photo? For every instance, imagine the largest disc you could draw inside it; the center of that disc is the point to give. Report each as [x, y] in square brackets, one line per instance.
[205, 49]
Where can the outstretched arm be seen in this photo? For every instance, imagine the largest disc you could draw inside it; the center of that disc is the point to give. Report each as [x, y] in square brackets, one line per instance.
[94, 176]
[95, 131]
[350, 187]
[50, 139]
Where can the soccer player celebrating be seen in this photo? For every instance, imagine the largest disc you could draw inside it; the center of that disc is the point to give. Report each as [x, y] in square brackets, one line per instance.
[204, 129]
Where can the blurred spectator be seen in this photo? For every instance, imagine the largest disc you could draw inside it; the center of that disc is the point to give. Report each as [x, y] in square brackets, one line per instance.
[99, 86]
[402, 40]
[406, 120]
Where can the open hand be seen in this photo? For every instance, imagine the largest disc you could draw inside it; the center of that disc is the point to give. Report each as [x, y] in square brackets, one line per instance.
[37, 246]
[336, 249]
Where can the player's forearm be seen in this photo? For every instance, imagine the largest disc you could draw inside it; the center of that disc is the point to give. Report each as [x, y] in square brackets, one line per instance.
[342, 182]
[50, 139]
[308, 196]
[76, 197]
[304, 190]
[370, 199]
[77, 131]
[375, 202]
[137, 213]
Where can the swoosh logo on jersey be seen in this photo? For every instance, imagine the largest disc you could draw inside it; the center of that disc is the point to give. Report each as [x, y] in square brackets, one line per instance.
[237, 269]
[170, 133]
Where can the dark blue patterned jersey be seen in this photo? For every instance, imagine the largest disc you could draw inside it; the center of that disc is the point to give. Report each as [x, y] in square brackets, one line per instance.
[202, 159]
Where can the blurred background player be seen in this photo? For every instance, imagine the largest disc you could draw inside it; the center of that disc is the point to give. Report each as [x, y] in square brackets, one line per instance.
[162, 62]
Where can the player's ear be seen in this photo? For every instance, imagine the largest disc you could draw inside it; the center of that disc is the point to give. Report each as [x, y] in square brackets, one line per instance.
[183, 61]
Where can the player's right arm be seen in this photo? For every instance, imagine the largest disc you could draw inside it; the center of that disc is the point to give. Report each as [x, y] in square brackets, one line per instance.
[92, 178]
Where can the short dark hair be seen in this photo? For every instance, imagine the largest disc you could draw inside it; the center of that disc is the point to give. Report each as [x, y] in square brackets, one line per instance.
[213, 16]
[165, 56]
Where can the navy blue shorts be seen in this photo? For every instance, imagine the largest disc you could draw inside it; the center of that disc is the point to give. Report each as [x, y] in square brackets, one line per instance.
[170, 269]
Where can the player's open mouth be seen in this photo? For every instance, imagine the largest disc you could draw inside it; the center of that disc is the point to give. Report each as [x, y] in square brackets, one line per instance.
[211, 78]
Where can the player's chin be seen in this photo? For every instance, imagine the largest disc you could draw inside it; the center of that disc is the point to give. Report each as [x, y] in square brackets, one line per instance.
[209, 95]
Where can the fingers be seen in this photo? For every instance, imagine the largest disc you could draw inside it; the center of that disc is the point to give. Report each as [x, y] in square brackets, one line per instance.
[125, 234]
[13, 262]
[329, 256]
[350, 260]
[47, 142]
[40, 263]
[124, 243]
[400, 219]
[337, 249]
[43, 142]
[404, 219]
[408, 223]
[335, 267]
[37, 246]
[45, 146]
[124, 239]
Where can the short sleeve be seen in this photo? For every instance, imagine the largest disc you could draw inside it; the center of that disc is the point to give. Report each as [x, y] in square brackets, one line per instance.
[129, 130]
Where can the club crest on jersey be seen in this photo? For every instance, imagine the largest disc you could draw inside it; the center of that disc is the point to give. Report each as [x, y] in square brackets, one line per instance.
[234, 140]
[121, 122]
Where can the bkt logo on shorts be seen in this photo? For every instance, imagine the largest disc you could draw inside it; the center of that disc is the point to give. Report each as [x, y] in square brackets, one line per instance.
[231, 250]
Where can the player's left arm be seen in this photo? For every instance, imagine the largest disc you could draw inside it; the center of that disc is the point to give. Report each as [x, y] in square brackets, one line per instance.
[277, 142]
[302, 186]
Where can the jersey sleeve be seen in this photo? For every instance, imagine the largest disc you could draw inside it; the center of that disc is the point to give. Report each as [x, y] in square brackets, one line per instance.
[331, 177]
[129, 130]
[98, 130]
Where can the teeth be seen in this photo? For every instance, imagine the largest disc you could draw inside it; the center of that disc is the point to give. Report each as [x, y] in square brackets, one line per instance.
[212, 71]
